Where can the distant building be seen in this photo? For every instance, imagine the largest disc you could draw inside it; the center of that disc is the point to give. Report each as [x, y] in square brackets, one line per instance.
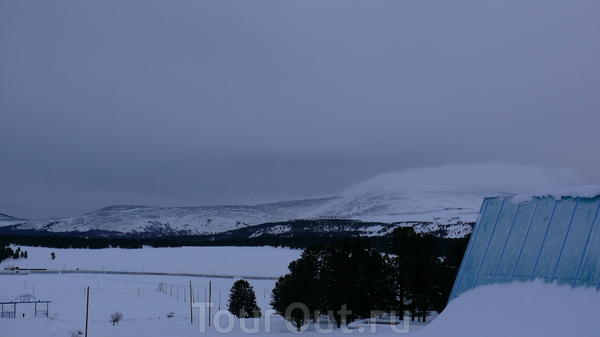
[555, 238]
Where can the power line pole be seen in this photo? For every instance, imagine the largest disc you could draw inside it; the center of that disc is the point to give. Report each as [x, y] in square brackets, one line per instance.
[191, 305]
[87, 312]
[209, 300]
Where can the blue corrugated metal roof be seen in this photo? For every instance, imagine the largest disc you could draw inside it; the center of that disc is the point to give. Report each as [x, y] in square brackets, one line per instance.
[548, 239]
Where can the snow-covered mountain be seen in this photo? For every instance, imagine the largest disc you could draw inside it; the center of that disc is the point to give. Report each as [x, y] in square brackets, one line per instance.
[430, 211]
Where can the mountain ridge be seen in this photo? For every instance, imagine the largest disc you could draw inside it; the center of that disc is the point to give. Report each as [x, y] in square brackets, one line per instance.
[429, 210]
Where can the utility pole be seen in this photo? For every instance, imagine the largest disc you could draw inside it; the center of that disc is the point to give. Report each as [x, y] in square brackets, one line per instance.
[87, 312]
[209, 300]
[191, 305]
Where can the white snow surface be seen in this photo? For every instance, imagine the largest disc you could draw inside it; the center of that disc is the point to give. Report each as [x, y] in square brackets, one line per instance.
[136, 296]
[237, 261]
[520, 309]
[587, 191]
[509, 310]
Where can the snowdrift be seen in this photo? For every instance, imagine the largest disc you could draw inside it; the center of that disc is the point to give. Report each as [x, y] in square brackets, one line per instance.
[519, 309]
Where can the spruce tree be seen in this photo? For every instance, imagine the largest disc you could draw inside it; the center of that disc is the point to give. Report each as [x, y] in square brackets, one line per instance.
[242, 300]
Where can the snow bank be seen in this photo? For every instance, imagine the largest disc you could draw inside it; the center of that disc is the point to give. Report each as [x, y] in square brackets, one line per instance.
[588, 191]
[519, 309]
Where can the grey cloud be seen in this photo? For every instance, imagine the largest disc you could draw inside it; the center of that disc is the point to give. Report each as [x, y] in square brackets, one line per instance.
[481, 177]
[220, 102]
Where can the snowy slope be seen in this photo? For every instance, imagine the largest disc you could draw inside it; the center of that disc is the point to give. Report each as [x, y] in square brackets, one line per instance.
[387, 207]
[189, 220]
[6, 220]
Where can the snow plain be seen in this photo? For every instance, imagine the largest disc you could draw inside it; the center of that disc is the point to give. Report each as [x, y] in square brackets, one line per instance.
[136, 296]
[520, 309]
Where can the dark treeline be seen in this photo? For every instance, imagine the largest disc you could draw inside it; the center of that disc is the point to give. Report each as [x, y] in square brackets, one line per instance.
[68, 242]
[295, 242]
[59, 241]
[414, 278]
[6, 252]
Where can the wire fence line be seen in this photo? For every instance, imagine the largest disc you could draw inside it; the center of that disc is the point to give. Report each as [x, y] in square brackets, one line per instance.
[115, 272]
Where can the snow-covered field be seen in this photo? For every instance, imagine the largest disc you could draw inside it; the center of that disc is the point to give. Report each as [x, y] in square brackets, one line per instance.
[525, 309]
[242, 261]
[136, 296]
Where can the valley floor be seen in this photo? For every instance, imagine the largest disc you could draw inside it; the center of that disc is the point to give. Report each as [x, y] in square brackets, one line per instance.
[520, 309]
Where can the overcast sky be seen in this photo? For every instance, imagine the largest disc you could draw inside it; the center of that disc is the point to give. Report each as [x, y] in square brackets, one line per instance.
[188, 103]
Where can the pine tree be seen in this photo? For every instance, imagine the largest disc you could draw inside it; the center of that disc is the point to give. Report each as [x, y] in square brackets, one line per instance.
[372, 289]
[423, 277]
[447, 275]
[5, 253]
[284, 294]
[337, 280]
[301, 285]
[403, 246]
[418, 269]
[356, 275]
[242, 300]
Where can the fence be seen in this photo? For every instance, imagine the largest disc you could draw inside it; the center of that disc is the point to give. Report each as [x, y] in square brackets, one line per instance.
[114, 272]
